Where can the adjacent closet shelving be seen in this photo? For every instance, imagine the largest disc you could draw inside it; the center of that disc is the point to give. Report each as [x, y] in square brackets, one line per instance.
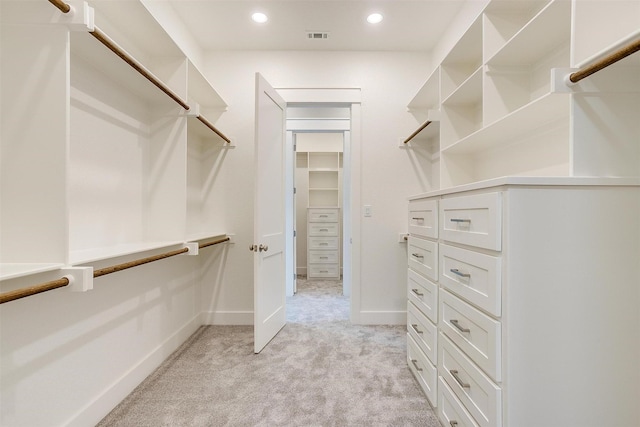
[502, 113]
[103, 163]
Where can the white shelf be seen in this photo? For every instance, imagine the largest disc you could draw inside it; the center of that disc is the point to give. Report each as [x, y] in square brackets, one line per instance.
[13, 271]
[100, 254]
[197, 237]
[90, 51]
[535, 115]
[545, 33]
[202, 91]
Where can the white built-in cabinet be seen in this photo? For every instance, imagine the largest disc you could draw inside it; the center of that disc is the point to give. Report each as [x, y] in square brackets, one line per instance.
[323, 225]
[523, 301]
[523, 278]
[97, 162]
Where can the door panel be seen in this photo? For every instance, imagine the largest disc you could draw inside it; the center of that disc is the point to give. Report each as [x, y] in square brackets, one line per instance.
[269, 215]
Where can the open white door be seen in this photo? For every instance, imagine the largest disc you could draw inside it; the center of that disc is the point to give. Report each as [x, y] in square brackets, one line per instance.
[269, 299]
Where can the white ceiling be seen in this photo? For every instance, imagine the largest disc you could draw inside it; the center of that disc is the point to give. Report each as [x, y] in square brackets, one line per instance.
[408, 25]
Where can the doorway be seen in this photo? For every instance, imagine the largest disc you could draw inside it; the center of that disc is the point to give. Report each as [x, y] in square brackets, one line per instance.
[318, 136]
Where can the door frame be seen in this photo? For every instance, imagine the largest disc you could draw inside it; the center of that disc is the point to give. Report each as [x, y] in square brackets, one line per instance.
[351, 252]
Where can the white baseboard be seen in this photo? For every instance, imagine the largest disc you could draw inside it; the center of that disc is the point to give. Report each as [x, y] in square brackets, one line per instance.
[227, 318]
[99, 407]
[382, 318]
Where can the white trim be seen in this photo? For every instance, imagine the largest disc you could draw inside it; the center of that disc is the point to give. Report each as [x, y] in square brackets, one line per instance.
[383, 317]
[115, 393]
[321, 96]
[227, 318]
[318, 125]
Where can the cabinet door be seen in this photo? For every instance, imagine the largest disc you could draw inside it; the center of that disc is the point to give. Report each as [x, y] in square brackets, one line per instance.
[423, 218]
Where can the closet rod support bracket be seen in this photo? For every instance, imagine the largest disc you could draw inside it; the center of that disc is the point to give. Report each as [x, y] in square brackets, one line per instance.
[193, 248]
[80, 278]
[81, 17]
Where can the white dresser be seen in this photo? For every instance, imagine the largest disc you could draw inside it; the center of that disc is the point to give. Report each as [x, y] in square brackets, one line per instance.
[523, 298]
[323, 250]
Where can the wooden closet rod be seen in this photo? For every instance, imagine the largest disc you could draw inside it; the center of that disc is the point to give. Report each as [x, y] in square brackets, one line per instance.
[33, 290]
[213, 128]
[413, 135]
[215, 242]
[614, 57]
[135, 263]
[105, 40]
[64, 8]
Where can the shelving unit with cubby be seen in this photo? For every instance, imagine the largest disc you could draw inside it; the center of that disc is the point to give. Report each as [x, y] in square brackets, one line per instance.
[501, 113]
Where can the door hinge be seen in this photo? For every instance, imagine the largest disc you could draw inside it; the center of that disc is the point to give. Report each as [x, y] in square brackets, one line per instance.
[295, 190]
[294, 233]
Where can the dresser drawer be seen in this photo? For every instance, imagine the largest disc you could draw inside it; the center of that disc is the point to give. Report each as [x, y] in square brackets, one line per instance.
[423, 257]
[423, 218]
[423, 293]
[323, 270]
[423, 332]
[474, 220]
[323, 257]
[323, 243]
[451, 411]
[322, 229]
[473, 276]
[479, 395]
[323, 215]
[478, 335]
[423, 370]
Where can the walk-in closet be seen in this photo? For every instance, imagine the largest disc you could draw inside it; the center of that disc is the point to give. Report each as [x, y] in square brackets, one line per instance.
[390, 212]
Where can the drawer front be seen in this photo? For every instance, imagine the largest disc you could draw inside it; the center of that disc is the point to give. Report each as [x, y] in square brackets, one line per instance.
[323, 257]
[424, 333]
[323, 243]
[323, 270]
[423, 257]
[473, 220]
[423, 218]
[423, 370]
[323, 215]
[424, 294]
[323, 229]
[450, 410]
[479, 395]
[473, 276]
[478, 335]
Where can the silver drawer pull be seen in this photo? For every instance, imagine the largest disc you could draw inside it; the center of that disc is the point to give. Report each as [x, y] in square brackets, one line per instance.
[459, 273]
[324, 271]
[324, 257]
[455, 323]
[415, 363]
[417, 255]
[415, 328]
[323, 244]
[323, 216]
[454, 372]
[417, 219]
[453, 423]
[459, 220]
[324, 229]
[415, 291]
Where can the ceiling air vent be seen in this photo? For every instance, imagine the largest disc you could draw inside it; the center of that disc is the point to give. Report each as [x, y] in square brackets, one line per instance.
[317, 35]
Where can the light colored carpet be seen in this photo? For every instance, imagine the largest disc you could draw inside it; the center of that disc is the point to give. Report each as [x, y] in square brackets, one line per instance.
[319, 371]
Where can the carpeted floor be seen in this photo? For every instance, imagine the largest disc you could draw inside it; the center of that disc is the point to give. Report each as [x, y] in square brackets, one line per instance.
[319, 371]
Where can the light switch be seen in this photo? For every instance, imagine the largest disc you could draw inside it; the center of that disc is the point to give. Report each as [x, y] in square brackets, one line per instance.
[368, 210]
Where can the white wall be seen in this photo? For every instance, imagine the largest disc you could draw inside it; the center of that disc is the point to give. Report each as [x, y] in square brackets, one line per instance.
[389, 175]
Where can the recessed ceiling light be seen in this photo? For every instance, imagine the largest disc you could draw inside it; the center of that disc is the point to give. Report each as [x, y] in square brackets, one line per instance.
[374, 18]
[259, 17]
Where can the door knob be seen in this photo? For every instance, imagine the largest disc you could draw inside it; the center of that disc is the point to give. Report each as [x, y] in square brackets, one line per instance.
[253, 248]
[264, 248]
